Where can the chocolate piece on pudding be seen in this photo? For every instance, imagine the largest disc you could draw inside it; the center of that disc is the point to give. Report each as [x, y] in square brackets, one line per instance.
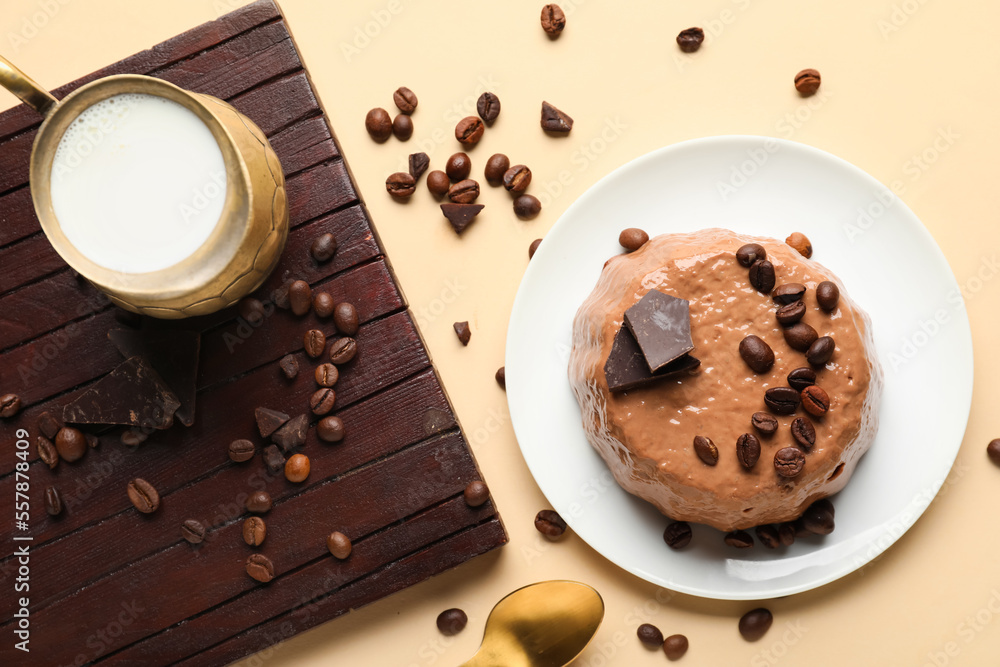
[626, 367]
[661, 326]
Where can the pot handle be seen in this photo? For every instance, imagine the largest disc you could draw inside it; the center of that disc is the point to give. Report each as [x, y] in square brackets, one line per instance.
[25, 88]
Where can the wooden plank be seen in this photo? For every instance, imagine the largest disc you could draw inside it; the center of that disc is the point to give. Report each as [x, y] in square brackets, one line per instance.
[289, 99]
[17, 216]
[312, 192]
[389, 351]
[360, 503]
[370, 554]
[41, 307]
[404, 573]
[205, 36]
[393, 420]
[304, 144]
[26, 262]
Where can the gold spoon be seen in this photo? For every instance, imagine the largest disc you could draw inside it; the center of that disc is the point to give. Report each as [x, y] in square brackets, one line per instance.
[547, 624]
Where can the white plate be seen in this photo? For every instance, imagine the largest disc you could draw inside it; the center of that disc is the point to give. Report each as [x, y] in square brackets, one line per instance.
[891, 267]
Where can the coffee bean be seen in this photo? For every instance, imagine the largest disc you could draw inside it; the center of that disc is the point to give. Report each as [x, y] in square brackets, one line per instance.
[747, 450]
[405, 99]
[533, 247]
[787, 293]
[750, 253]
[48, 425]
[488, 107]
[143, 495]
[827, 295]
[496, 166]
[71, 444]
[800, 242]
[343, 350]
[762, 276]
[788, 461]
[254, 531]
[300, 297]
[241, 450]
[53, 501]
[260, 567]
[706, 450]
[133, 437]
[252, 310]
[326, 375]
[820, 351]
[463, 332]
[259, 502]
[791, 313]
[807, 82]
[555, 121]
[786, 533]
[464, 192]
[297, 468]
[632, 239]
[675, 646]
[323, 305]
[458, 167]
[10, 405]
[768, 536]
[438, 183]
[800, 336]
[803, 432]
[379, 124]
[402, 127]
[339, 545]
[677, 535]
[330, 429]
[755, 623]
[782, 400]
[757, 354]
[550, 524]
[345, 316]
[690, 40]
[815, 400]
[553, 20]
[517, 178]
[993, 451]
[818, 517]
[323, 247]
[649, 635]
[764, 423]
[321, 402]
[289, 366]
[419, 162]
[314, 342]
[193, 531]
[274, 460]
[476, 493]
[739, 538]
[527, 207]
[801, 378]
[469, 131]
[400, 185]
[452, 621]
[501, 377]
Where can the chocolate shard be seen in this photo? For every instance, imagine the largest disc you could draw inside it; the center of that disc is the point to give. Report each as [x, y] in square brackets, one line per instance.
[554, 120]
[461, 215]
[661, 325]
[626, 366]
[133, 394]
[418, 165]
[293, 434]
[269, 421]
[172, 354]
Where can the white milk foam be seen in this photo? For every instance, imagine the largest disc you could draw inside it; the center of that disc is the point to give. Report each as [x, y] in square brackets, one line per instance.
[138, 183]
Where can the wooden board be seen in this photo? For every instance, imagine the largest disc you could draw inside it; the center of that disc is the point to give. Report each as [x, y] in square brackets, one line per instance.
[394, 484]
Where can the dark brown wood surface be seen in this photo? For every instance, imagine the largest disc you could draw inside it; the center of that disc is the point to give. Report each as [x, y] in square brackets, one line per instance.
[394, 484]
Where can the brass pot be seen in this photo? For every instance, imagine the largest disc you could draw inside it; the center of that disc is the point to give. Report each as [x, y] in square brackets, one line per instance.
[248, 238]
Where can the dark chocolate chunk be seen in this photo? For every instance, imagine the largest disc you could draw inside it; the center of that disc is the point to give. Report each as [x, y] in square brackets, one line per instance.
[554, 120]
[269, 421]
[172, 354]
[418, 165]
[626, 368]
[461, 215]
[133, 394]
[661, 325]
[293, 434]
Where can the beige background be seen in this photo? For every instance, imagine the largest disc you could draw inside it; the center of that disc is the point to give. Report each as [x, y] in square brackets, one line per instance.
[896, 75]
